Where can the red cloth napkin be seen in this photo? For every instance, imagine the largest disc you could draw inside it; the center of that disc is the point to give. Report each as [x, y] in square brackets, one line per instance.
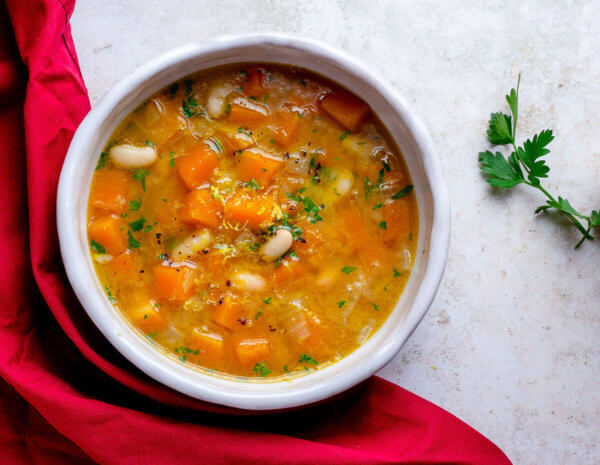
[66, 396]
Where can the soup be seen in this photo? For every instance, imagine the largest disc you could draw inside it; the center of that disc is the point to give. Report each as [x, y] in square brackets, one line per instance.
[253, 220]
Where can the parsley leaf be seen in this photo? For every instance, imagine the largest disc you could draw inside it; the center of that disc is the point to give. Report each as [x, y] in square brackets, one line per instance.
[252, 184]
[131, 241]
[382, 225]
[134, 205]
[102, 160]
[404, 192]
[140, 175]
[171, 159]
[97, 247]
[305, 358]
[374, 306]
[261, 369]
[348, 269]
[397, 274]
[109, 294]
[525, 165]
[341, 303]
[500, 132]
[137, 225]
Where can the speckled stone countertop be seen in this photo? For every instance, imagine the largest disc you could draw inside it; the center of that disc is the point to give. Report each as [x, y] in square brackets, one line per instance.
[511, 345]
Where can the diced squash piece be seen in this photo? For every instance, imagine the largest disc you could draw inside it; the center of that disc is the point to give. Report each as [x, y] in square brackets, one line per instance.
[288, 272]
[195, 169]
[246, 113]
[227, 313]
[249, 209]
[122, 266]
[251, 351]
[346, 109]
[256, 164]
[109, 233]
[284, 126]
[353, 229]
[201, 208]
[174, 283]
[396, 214]
[111, 190]
[147, 317]
[254, 84]
[209, 344]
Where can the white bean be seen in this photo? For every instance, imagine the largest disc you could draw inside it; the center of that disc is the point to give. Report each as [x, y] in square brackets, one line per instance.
[248, 281]
[192, 245]
[129, 156]
[277, 245]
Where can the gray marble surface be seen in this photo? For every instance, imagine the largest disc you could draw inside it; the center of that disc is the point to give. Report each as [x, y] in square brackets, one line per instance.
[511, 344]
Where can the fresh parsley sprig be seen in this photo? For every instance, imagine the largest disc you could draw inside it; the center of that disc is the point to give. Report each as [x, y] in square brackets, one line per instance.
[525, 164]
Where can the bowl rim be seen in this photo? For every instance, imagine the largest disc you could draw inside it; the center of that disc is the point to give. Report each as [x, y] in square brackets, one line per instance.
[437, 250]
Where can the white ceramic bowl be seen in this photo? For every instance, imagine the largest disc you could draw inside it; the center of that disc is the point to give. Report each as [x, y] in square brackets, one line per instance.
[410, 135]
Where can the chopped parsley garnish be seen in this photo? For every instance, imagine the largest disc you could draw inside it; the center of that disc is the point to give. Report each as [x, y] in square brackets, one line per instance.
[252, 184]
[296, 195]
[344, 135]
[266, 97]
[162, 256]
[148, 228]
[102, 160]
[134, 205]
[97, 247]
[348, 269]
[382, 225]
[305, 358]
[284, 222]
[285, 368]
[254, 246]
[173, 90]
[152, 335]
[341, 303]
[109, 294]
[137, 225]
[386, 166]
[131, 240]
[397, 274]
[293, 255]
[268, 300]
[171, 159]
[404, 192]
[374, 306]
[188, 83]
[140, 175]
[258, 314]
[184, 351]
[243, 73]
[312, 209]
[149, 143]
[227, 108]
[303, 82]
[261, 369]
[379, 205]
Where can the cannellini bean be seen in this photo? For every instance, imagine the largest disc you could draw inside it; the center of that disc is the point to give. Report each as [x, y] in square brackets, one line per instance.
[248, 281]
[277, 245]
[343, 181]
[215, 103]
[192, 245]
[130, 156]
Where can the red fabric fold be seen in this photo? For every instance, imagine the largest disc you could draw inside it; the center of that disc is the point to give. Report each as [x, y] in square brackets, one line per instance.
[67, 397]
